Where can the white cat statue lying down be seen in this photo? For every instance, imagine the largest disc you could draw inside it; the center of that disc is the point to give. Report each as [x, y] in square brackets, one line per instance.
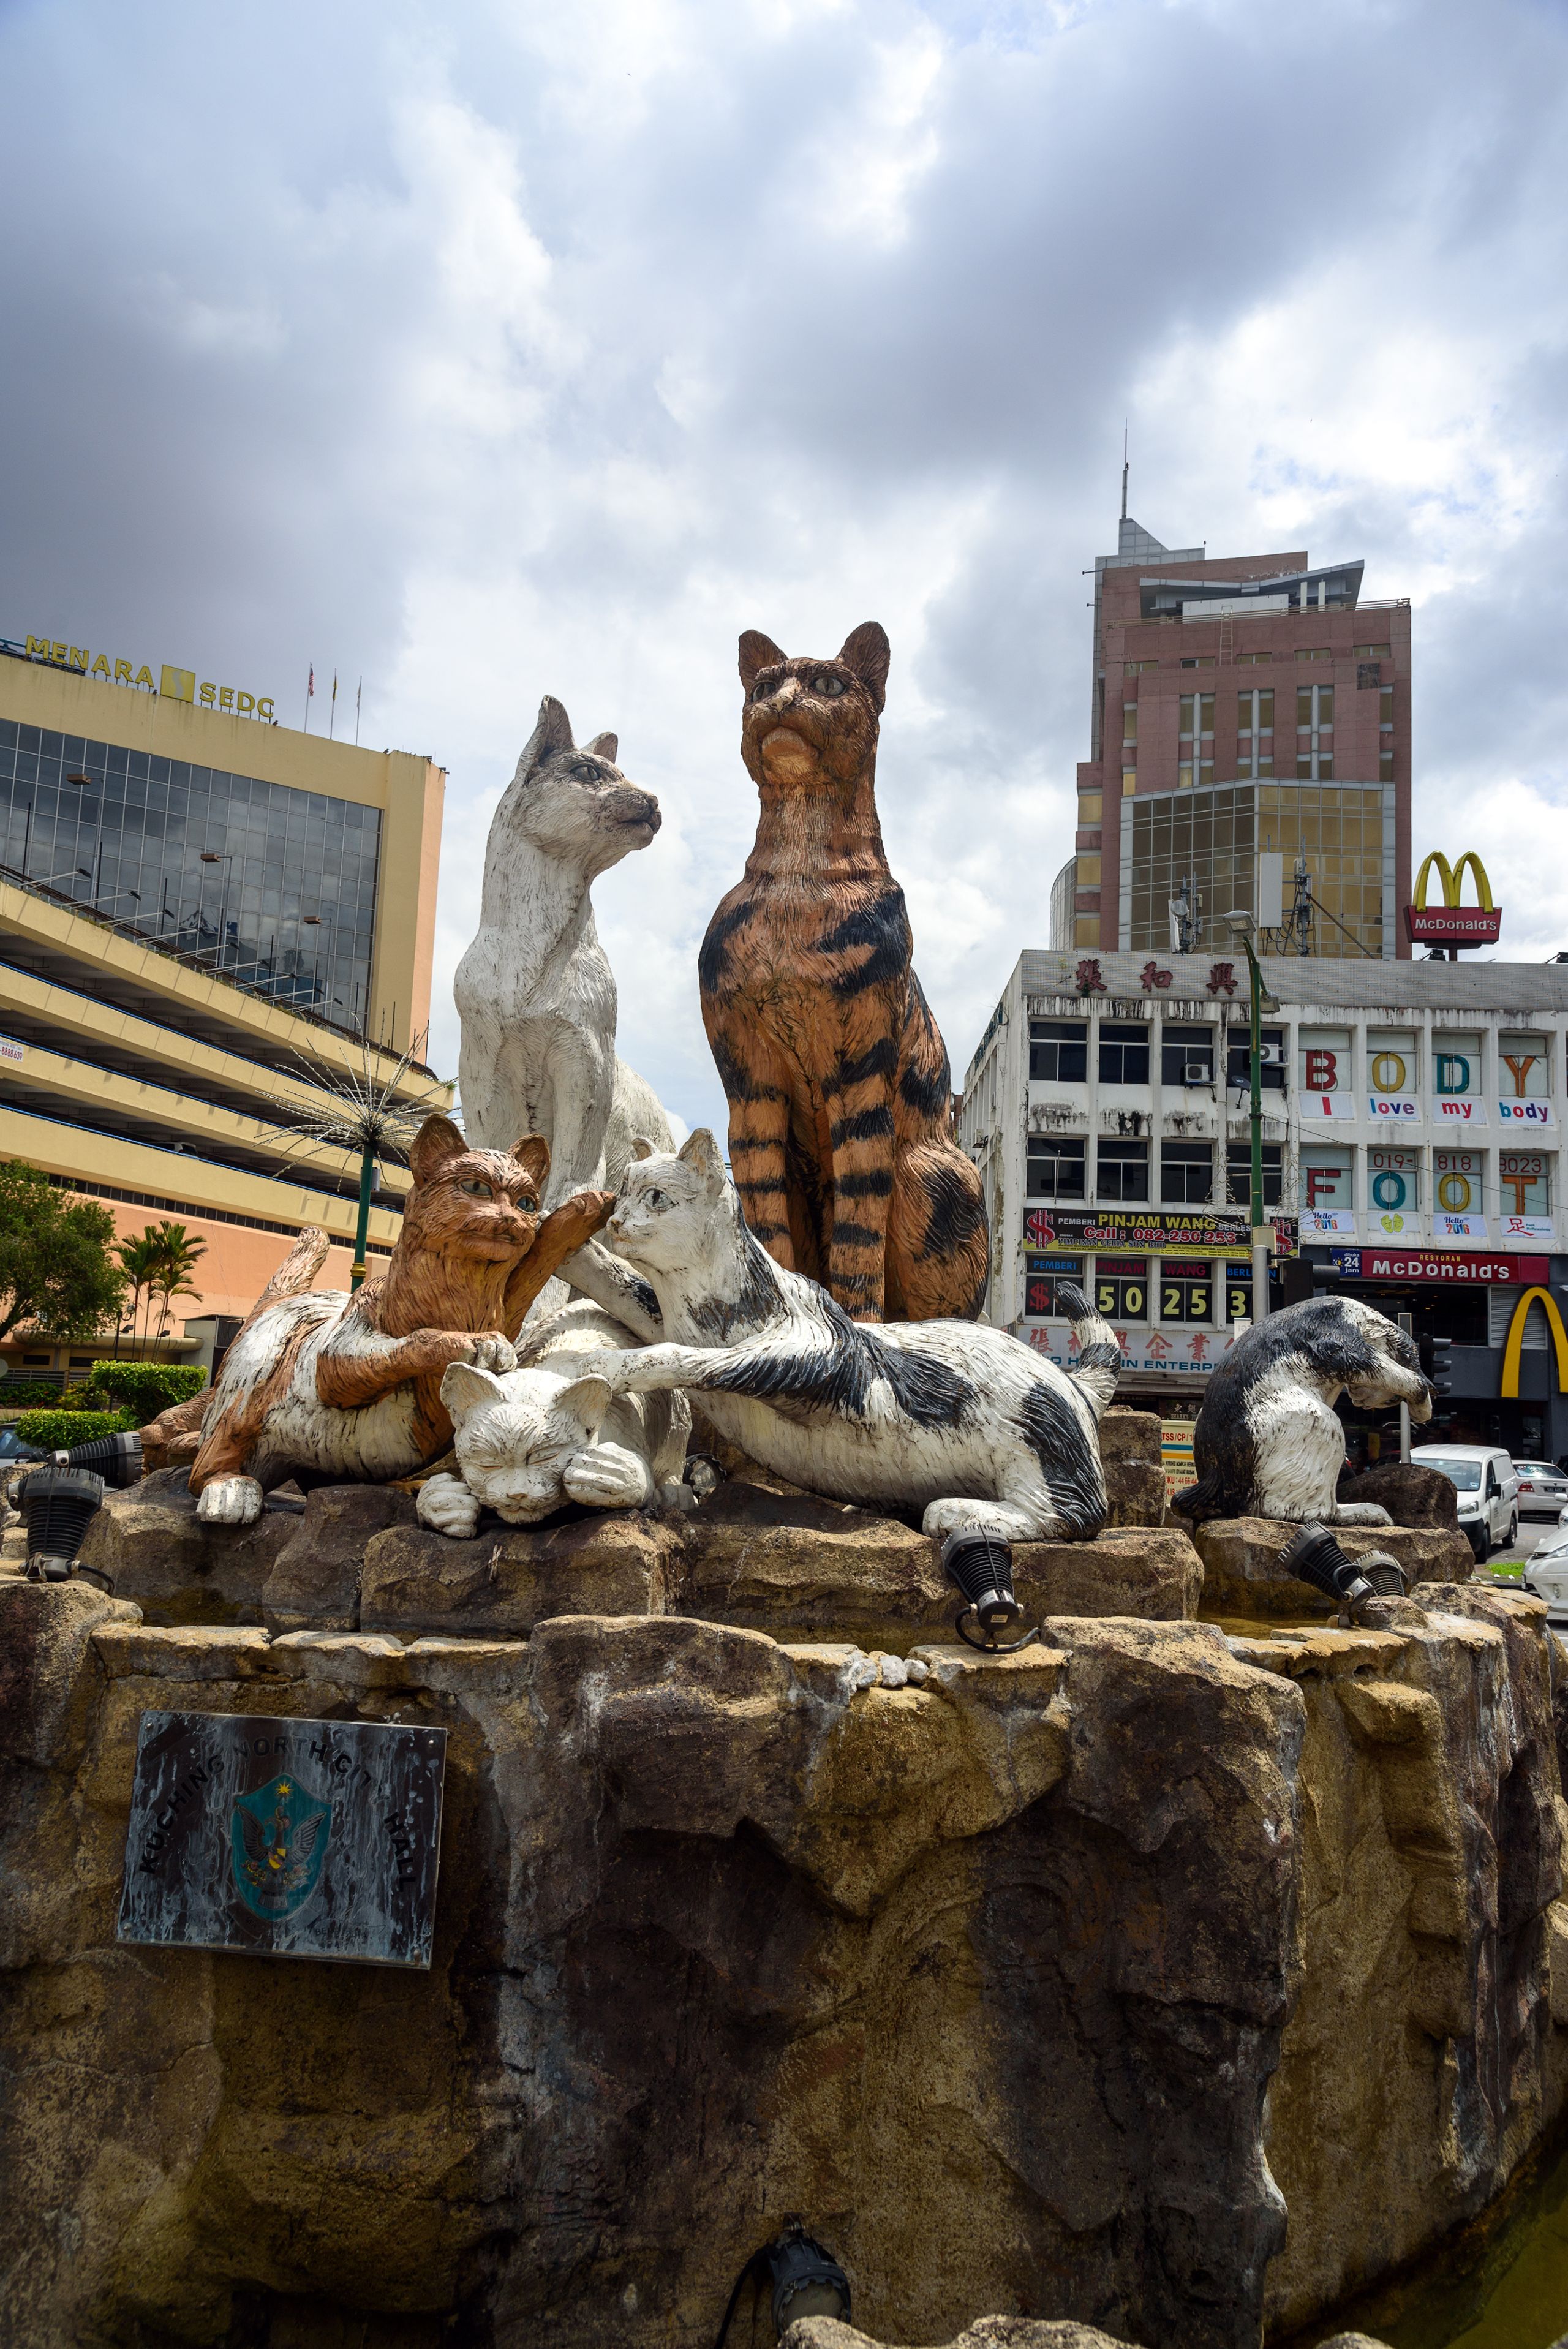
[551, 1431]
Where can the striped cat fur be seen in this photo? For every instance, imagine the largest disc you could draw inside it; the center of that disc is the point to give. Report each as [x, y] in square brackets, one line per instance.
[956, 1420]
[841, 1125]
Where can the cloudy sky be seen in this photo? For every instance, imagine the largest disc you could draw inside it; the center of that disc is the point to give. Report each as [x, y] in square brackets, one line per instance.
[500, 348]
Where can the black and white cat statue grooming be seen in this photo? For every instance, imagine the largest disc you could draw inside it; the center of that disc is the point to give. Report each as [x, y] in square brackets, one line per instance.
[1268, 1442]
[958, 1421]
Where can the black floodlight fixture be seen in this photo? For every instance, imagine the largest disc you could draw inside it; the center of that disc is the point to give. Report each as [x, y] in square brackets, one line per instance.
[1314, 1556]
[59, 1503]
[116, 1458]
[979, 1561]
[801, 2276]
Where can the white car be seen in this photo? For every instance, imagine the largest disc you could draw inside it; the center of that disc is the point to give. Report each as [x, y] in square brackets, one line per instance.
[1542, 1489]
[1546, 1574]
[1482, 1476]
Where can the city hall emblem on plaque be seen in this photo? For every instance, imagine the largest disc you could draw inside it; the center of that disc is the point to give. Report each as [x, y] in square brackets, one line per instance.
[279, 1836]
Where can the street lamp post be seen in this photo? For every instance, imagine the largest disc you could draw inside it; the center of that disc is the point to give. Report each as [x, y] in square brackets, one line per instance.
[1241, 924]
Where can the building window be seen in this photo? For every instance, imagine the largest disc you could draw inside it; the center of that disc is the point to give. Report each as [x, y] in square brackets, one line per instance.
[1394, 1181]
[1043, 1278]
[1056, 1167]
[1459, 1179]
[1522, 1062]
[1367, 675]
[1135, 669]
[1129, 781]
[1186, 1055]
[1524, 1183]
[1314, 733]
[1121, 1287]
[1059, 1051]
[1088, 869]
[1086, 930]
[1198, 660]
[1327, 1181]
[1373, 652]
[1456, 1062]
[1239, 1175]
[1123, 1052]
[1090, 807]
[1271, 1059]
[1122, 1172]
[1195, 750]
[1255, 733]
[1129, 733]
[1393, 1065]
[1186, 1176]
[1326, 1060]
[1238, 1292]
[1318, 652]
[1186, 1291]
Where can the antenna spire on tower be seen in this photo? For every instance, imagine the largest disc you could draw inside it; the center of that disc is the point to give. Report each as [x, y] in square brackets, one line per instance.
[1124, 469]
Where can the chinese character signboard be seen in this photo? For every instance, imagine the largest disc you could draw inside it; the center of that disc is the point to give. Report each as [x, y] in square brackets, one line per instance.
[1141, 1349]
[285, 1839]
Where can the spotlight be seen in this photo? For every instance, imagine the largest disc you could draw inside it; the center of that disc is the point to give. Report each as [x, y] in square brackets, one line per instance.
[803, 2277]
[979, 1560]
[116, 1458]
[1314, 1556]
[59, 1503]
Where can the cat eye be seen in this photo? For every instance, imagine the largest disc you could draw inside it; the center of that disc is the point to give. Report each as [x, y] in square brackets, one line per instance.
[654, 1199]
[832, 686]
[476, 1189]
[586, 774]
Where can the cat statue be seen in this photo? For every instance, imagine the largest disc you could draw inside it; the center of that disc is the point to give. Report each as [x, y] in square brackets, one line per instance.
[1269, 1442]
[841, 1118]
[335, 1388]
[952, 1418]
[534, 992]
[551, 1431]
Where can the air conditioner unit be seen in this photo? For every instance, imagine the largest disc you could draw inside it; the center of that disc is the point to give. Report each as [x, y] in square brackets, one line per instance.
[1197, 1072]
[1271, 1056]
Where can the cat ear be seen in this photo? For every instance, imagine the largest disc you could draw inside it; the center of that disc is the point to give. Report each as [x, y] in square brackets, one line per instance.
[586, 1399]
[700, 1150]
[605, 746]
[757, 652]
[641, 1146]
[866, 650]
[464, 1387]
[533, 1154]
[550, 737]
[436, 1143]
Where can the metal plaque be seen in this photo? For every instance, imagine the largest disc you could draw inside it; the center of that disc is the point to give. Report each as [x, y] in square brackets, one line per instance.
[286, 1838]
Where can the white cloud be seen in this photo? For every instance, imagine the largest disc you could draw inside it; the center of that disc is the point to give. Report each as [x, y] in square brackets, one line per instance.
[494, 351]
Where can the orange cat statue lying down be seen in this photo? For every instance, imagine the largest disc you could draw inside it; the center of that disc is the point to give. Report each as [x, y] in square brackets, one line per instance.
[342, 1389]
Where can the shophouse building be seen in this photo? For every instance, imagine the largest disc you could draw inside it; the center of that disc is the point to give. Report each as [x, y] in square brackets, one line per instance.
[196, 906]
[1250, 725]
[1412, 1137]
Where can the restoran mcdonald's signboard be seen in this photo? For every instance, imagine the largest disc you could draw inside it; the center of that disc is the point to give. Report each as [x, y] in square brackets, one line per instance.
[1451, 923]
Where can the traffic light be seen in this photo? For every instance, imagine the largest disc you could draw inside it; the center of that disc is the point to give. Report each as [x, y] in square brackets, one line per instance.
[1437, 1361]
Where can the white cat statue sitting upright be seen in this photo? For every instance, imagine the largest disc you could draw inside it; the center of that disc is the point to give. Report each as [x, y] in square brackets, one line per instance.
[551, 1431]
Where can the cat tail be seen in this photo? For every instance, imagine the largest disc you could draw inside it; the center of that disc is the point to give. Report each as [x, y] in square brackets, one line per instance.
[1098, 1364]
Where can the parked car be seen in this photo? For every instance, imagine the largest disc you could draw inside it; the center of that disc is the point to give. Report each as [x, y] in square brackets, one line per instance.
[1542, 1489]
[1546, 1574]
[1482, 1476]
[13, 1448]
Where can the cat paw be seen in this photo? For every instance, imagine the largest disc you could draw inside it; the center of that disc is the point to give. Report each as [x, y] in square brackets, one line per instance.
[1360, 1513]
[676, 1496]
[229, 1501]
[494, 1353]
[447, 1507]
[604, 1477]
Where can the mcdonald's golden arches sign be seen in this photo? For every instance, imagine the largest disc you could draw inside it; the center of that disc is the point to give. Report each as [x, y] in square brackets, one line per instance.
[1451, 923]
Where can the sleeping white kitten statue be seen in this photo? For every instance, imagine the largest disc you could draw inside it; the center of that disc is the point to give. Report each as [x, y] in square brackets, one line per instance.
[551, 1431]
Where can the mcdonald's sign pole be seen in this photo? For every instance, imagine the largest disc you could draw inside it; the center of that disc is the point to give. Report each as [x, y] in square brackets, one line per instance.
[1451, 924]
[1241, 927]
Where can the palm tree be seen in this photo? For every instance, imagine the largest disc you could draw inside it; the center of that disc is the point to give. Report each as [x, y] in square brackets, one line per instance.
[139, 1261]
[363, 1113]
[177, 1253]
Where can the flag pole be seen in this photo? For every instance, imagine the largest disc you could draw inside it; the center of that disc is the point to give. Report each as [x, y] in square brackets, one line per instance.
[309, 695]
[357, 691]
[332, 713]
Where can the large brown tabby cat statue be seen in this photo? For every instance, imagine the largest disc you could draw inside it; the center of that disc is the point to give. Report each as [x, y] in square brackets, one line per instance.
[841, 1124]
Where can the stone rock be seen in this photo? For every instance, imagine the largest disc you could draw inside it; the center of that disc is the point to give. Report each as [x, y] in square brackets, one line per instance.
[174, 1568]
[314, 1580]
[1240, 1564]
[505, 1582]
[1130, 1451]
[1413, 1495]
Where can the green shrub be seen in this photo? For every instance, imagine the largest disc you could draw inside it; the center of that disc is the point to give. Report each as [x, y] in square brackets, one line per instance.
[57, 1431]
[21, 1394]
[146, 1388]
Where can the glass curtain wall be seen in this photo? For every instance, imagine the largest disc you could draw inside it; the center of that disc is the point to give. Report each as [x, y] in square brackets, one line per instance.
[274, 887]
[1214, 836]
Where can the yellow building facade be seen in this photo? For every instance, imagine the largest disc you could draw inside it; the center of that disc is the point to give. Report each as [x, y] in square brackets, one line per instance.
[196, 903]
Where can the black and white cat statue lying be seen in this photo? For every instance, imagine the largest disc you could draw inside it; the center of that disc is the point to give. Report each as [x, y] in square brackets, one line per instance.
[959, 1421]
[1268, 1442]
